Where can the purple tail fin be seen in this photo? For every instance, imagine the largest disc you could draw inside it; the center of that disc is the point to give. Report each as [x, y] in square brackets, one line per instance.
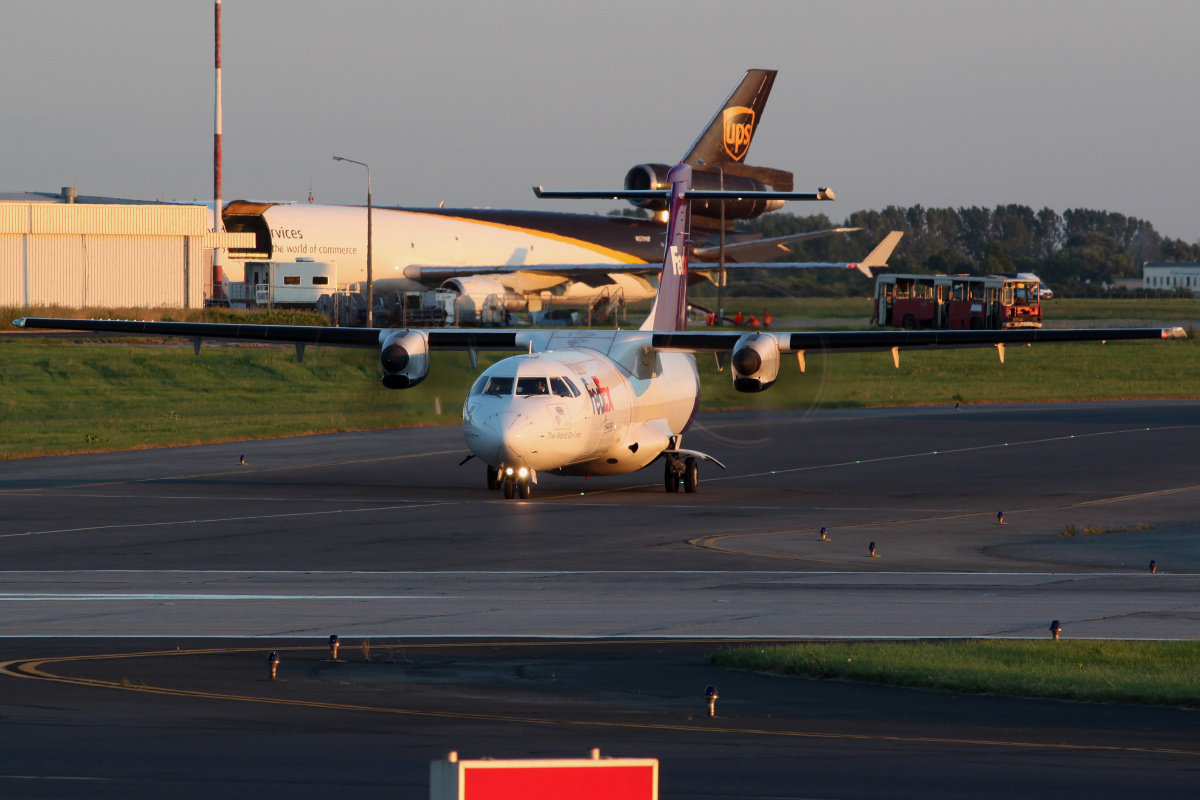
[670, 305]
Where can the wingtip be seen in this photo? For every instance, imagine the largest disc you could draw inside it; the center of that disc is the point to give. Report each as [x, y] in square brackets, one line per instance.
[1174, 333]
[537, 191]
[20, 323]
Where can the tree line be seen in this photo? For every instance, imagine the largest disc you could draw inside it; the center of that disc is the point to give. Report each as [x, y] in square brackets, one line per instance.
[1069, 251]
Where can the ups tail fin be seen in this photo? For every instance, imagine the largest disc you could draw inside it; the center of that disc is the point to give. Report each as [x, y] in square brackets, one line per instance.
[670, 303]
[882, 252]
[727, 138]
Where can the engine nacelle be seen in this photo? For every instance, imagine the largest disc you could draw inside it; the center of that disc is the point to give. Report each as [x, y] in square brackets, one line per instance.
[755, 362]
[404, 359]
[482, 300]
[654, 176]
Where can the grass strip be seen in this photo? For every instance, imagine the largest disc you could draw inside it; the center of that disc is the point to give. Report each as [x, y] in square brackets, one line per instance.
[1151, 673]
[66, 398]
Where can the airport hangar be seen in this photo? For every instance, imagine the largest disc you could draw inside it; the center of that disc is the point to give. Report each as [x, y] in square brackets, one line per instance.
[55, 251]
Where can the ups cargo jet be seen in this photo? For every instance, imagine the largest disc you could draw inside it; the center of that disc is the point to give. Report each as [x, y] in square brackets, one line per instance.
[584, 402]
[516, 255]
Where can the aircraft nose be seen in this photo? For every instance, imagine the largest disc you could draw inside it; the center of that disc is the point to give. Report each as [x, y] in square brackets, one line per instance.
[514, 434]
[503, 438]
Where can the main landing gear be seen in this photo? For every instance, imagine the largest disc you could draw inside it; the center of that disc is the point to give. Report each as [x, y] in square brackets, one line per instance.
[515, 483]
[679, 470]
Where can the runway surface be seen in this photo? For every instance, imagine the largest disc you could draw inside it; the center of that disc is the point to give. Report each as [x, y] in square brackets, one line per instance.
[583, 617]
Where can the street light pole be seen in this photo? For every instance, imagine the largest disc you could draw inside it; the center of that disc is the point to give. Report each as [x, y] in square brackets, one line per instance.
[721, 257]
[370, 288]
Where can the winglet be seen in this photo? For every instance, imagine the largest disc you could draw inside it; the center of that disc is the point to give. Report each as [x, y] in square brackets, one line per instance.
[879, 256]
[20, 323]
[1174, 333]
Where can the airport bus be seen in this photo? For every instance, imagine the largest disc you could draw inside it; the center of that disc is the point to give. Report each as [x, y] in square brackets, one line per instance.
[957, 302]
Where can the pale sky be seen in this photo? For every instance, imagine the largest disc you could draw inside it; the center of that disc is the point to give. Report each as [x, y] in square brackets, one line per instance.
[1060, 104]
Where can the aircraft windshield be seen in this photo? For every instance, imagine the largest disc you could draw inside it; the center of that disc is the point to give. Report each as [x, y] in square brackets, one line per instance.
[498, 387]
[563, 387]
[527, 387]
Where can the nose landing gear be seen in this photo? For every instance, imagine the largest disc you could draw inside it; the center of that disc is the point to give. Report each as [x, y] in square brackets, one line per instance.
[514, 484]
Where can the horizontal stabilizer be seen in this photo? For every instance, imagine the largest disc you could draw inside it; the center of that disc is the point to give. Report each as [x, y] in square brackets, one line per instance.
[823, 193]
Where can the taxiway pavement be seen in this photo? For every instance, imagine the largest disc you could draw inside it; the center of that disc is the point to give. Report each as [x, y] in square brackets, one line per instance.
[582, 618]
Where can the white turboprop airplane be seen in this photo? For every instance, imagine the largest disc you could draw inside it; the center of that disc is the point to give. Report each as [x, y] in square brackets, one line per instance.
[578, 402]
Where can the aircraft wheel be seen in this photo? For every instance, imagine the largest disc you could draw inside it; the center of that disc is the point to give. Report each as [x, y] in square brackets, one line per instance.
[909, 323]
[670, 479]
[691, 476]
[524, 488]
[508, 489]
[493, 478]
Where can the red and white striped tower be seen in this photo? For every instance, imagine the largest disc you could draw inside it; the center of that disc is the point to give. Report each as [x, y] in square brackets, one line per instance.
[218, 222]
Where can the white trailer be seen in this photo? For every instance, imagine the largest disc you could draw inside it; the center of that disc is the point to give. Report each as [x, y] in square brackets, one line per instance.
[287, 284]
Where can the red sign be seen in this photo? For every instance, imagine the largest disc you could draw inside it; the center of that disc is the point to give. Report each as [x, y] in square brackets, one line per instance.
[549, 779]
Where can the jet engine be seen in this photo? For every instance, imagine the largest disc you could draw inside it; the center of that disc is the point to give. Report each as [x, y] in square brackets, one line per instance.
[755, 362]
[404, 358]
[654, 176]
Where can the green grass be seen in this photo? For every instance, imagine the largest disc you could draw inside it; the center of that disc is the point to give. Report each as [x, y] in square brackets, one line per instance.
[63, 397]
[1160, 673]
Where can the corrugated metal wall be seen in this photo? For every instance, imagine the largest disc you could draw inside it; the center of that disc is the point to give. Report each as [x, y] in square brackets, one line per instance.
[12, 271]
[107, 256]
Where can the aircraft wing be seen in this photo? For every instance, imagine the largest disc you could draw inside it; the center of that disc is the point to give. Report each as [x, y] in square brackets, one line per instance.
[876, 258]
[761, 249]
[885, 340]
[299, 335]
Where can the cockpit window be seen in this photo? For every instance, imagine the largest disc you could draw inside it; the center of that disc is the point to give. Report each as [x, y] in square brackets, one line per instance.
[480, 382]
[532, 386]
[498, 387]
[559, 387]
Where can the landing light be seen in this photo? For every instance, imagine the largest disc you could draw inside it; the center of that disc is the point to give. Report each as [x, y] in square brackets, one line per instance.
[508, 471]
[523, 472]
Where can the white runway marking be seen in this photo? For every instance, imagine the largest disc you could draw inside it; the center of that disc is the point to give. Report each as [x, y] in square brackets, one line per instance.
[35, 596]
[223, 519]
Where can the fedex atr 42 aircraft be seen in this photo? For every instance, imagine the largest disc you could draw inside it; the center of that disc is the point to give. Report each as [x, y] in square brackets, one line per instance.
[578, 402]
[516, 255]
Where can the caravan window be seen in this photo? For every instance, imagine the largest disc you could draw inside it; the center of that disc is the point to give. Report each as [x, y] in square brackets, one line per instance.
[291, 280]
[320, 280]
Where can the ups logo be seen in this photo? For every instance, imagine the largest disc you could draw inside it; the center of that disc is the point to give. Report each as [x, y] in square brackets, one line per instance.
[739, 128]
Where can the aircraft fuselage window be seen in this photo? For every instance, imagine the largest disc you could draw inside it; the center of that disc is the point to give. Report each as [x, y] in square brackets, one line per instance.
[531, 386]
[499, 387]
[559, 387]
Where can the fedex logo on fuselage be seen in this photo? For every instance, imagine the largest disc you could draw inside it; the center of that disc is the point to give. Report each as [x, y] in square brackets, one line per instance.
[600, 397]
